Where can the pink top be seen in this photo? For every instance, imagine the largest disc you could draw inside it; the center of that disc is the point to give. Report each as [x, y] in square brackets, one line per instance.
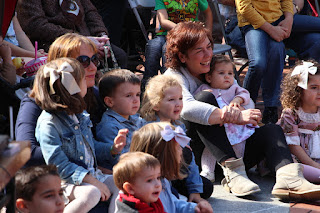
[302, 129]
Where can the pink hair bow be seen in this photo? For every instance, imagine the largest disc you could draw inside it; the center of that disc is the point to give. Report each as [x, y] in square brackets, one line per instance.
[304, 70]
[178, 134]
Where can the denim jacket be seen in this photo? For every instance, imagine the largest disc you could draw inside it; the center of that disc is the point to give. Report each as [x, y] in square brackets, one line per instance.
[107, 130]
[171, 203]
[62, 144]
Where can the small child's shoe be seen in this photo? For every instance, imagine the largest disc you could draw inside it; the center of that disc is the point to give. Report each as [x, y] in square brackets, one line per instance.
[209, 175]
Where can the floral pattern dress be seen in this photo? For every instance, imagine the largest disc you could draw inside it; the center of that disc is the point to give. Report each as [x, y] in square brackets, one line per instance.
[301, 128]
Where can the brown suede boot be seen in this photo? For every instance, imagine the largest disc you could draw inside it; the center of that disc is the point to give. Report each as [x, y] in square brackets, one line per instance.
[291, 184]
[236, 180]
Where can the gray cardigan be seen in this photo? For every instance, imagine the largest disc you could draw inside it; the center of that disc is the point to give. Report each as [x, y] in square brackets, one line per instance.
[193, 110]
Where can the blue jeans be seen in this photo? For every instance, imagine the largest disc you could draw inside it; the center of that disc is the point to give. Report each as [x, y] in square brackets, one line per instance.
[155, 49]
[266, 62]
[305, 37]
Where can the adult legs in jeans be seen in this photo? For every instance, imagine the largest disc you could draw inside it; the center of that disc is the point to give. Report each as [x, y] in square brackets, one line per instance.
[305, 23]
[153, 54]
[306, 45]
[266, 62]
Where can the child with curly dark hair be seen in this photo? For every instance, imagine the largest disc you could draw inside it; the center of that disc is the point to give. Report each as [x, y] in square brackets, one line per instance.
[300, 118]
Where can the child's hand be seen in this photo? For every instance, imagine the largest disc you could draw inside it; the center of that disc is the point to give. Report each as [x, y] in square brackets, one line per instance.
[236, 102]
[119, 141]
[194, 197]
[105, 192]
[203, 207]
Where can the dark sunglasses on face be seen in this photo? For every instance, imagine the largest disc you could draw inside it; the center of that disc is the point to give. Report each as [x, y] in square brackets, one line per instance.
[85, 60]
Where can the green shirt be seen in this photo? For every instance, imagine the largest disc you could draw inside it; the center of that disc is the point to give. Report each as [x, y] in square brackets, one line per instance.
[181, 10]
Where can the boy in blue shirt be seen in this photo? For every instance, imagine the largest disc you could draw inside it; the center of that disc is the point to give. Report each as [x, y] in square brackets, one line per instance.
[120, 91]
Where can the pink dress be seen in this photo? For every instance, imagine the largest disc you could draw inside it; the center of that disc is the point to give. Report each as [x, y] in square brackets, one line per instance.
[302, 129]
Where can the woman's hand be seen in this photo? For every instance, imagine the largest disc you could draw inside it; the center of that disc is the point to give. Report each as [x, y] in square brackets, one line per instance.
[249, 116]
[287, 24]
[229, 114]
[203, 207]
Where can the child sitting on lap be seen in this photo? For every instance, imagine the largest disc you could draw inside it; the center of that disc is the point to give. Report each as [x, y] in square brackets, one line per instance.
[221, 84]
[120, 91]
[38, 190]
[138, 175]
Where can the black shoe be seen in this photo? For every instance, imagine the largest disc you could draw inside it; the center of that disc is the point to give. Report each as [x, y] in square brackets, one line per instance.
[270, 115]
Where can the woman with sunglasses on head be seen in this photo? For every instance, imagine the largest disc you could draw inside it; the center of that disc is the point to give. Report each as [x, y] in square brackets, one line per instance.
[69, 45]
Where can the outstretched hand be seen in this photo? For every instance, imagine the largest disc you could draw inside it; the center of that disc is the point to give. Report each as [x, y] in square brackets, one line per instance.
[203, 207]
[119, 141]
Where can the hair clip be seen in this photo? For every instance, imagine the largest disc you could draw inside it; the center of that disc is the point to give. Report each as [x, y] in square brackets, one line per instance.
[67, 78]
[303, 70]
[178, 134]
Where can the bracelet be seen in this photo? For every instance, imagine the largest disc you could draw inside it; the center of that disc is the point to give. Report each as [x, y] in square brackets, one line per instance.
[297, 7]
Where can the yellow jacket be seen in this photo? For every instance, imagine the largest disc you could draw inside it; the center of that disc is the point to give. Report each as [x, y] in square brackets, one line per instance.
[257, 12]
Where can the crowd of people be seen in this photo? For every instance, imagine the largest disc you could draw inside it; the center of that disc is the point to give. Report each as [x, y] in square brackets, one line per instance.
[119, 143]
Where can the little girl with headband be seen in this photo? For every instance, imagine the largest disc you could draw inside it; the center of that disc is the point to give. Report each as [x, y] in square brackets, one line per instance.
[64, 133]
[300, 118]
[165, 142]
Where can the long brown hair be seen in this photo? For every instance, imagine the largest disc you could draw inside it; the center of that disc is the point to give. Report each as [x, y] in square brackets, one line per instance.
[61, 100]
[148, 139]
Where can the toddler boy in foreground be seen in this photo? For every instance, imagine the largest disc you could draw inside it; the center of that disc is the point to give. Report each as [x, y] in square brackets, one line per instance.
[137, 175]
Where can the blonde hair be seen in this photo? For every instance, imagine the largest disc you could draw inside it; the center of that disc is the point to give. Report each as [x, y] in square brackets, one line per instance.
[130, 166]
[291, 93]
[148, 139]
[61, 100]
[68, 45]
[154, 94]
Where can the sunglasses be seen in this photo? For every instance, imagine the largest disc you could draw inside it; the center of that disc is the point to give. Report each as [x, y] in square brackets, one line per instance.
[85, 60]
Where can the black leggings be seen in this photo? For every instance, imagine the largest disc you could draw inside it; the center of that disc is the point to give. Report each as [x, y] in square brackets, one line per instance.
[181, 185]
[267, 142]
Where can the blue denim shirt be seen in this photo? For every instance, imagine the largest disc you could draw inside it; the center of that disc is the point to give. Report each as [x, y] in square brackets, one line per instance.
[62, 143]
[108, 128]
[194, 182]
[171, 203]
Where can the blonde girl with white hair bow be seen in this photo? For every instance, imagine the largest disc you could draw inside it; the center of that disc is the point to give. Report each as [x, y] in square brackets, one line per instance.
[300, 118]
[64, 133]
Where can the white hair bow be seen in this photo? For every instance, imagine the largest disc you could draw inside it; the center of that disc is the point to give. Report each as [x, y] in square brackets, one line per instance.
[178, 134]
[304, 70]
[67, 78]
